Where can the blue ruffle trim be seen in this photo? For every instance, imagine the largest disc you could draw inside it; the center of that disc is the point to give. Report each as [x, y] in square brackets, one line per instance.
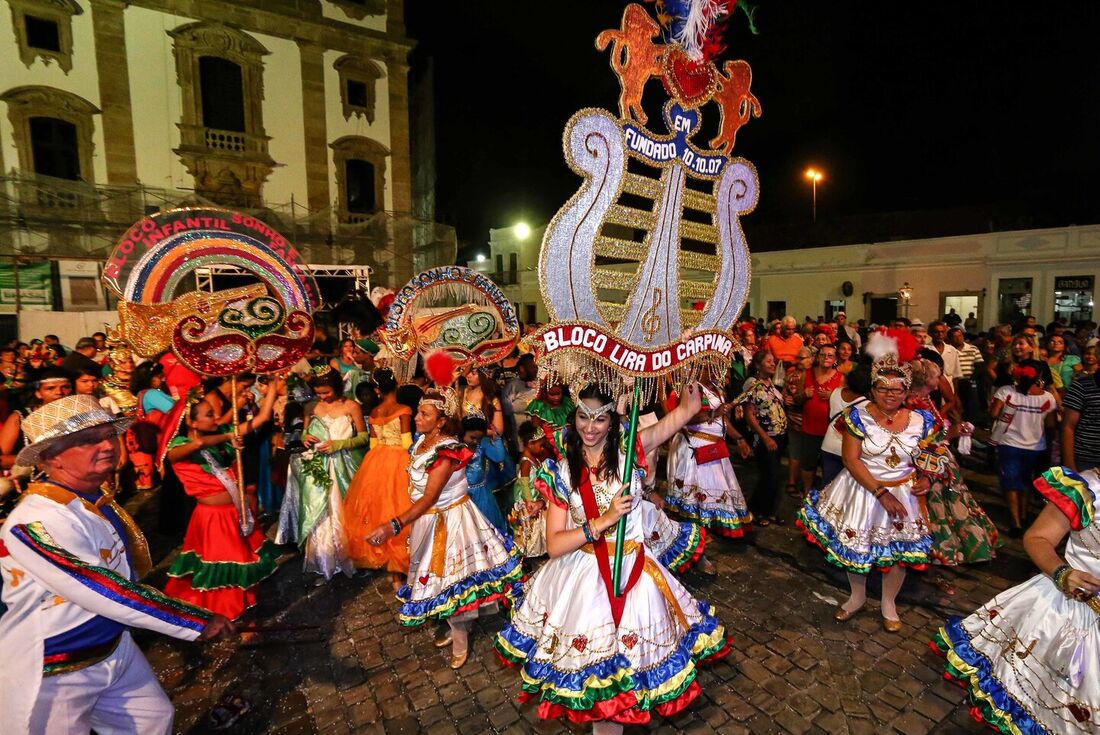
[681, 549]
[415, 613]
[709, 516]
[987, 682]
[897, 552]
[650, 679]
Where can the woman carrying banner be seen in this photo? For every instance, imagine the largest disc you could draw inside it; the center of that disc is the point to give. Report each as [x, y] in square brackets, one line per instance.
[586, 654]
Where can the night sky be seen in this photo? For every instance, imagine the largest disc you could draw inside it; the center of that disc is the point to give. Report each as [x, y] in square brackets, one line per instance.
[905, 106]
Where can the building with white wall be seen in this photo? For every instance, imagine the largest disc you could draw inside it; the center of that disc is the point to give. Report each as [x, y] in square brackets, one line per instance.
[512, 263]
[1000, 276]
[297, 110]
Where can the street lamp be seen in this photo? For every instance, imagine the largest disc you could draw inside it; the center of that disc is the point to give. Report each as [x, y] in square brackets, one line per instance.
[904, 294]
[814, 176]
[481, 257]
[523, 231]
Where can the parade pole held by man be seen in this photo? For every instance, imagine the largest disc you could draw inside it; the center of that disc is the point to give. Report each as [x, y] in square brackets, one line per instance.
[70, 557]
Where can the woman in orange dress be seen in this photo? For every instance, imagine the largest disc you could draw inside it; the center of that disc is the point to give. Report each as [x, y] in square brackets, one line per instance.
[380, 489]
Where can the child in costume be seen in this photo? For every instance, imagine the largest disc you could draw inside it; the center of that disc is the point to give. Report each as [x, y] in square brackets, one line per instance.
[488, 451]
[380, 489]
[224, 556]
[702, 485]
[585, 654]
[313, 507]
[459, 562]
[526, 518]
[1030, 657]
[551, 408]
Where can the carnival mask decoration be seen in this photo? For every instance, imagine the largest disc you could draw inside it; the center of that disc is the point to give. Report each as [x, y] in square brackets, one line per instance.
[451, 309]
[262, 327]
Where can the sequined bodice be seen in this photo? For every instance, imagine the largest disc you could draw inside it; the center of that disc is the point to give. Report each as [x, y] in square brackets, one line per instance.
[387, 429]
[605, 491]
[889, 456]
[331, 427]
[455, 486]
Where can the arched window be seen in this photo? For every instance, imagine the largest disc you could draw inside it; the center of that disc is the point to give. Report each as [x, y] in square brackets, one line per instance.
[55, 148]
[360, 176]
[222, 139]
[358, 78]
[52, 130]
[221, 86]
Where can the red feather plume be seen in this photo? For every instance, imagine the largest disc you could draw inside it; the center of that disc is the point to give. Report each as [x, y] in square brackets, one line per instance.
[908, 346]
[440, 367]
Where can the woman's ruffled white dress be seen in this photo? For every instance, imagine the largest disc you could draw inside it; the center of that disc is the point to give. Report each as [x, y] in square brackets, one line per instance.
[1030, 657]
[846, 521]
[573, 659]
[457, 560]
[708, 493]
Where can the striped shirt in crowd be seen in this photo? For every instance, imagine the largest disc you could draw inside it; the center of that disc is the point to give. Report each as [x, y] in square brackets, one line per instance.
[1083, 396]
[968, 356]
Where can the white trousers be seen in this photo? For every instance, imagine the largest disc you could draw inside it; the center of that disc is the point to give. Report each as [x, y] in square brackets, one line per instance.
[118, 695]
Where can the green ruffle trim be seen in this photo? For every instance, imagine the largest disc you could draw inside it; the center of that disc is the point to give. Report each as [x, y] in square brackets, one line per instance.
[497, 587]
[214, 575]
[993, 717]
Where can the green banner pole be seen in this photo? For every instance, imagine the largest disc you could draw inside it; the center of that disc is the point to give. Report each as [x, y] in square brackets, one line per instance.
[628, 473]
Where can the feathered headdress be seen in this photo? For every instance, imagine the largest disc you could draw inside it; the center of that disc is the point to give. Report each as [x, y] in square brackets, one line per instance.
[440, 367]
[891, 350]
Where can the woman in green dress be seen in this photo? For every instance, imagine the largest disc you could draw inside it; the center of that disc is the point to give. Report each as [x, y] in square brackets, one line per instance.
[313, 510]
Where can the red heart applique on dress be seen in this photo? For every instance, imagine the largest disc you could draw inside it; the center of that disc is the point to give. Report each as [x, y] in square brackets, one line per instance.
[898, 525]
[580, 643]
[850, 533]
[630, 640]
[424, 579]
[690, 82]
[679, 483]
[1080, 713]
[993, 614]
[700, 497]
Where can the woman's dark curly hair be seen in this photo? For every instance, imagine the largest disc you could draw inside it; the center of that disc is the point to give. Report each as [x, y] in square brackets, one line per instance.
[574, 447]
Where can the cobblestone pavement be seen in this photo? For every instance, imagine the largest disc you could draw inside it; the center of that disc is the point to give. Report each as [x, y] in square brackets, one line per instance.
[793, 669]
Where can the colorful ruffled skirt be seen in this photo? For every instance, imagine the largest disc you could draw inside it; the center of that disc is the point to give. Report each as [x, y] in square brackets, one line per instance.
[576, 663]
[458, 562]
[217, 569]
[857, 534]
[961, 531]
[677, 545]
[378, 492]
[707, 494]
[1030, 658]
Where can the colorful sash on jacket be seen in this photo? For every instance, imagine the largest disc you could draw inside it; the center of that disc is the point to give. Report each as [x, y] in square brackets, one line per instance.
[137, 548]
